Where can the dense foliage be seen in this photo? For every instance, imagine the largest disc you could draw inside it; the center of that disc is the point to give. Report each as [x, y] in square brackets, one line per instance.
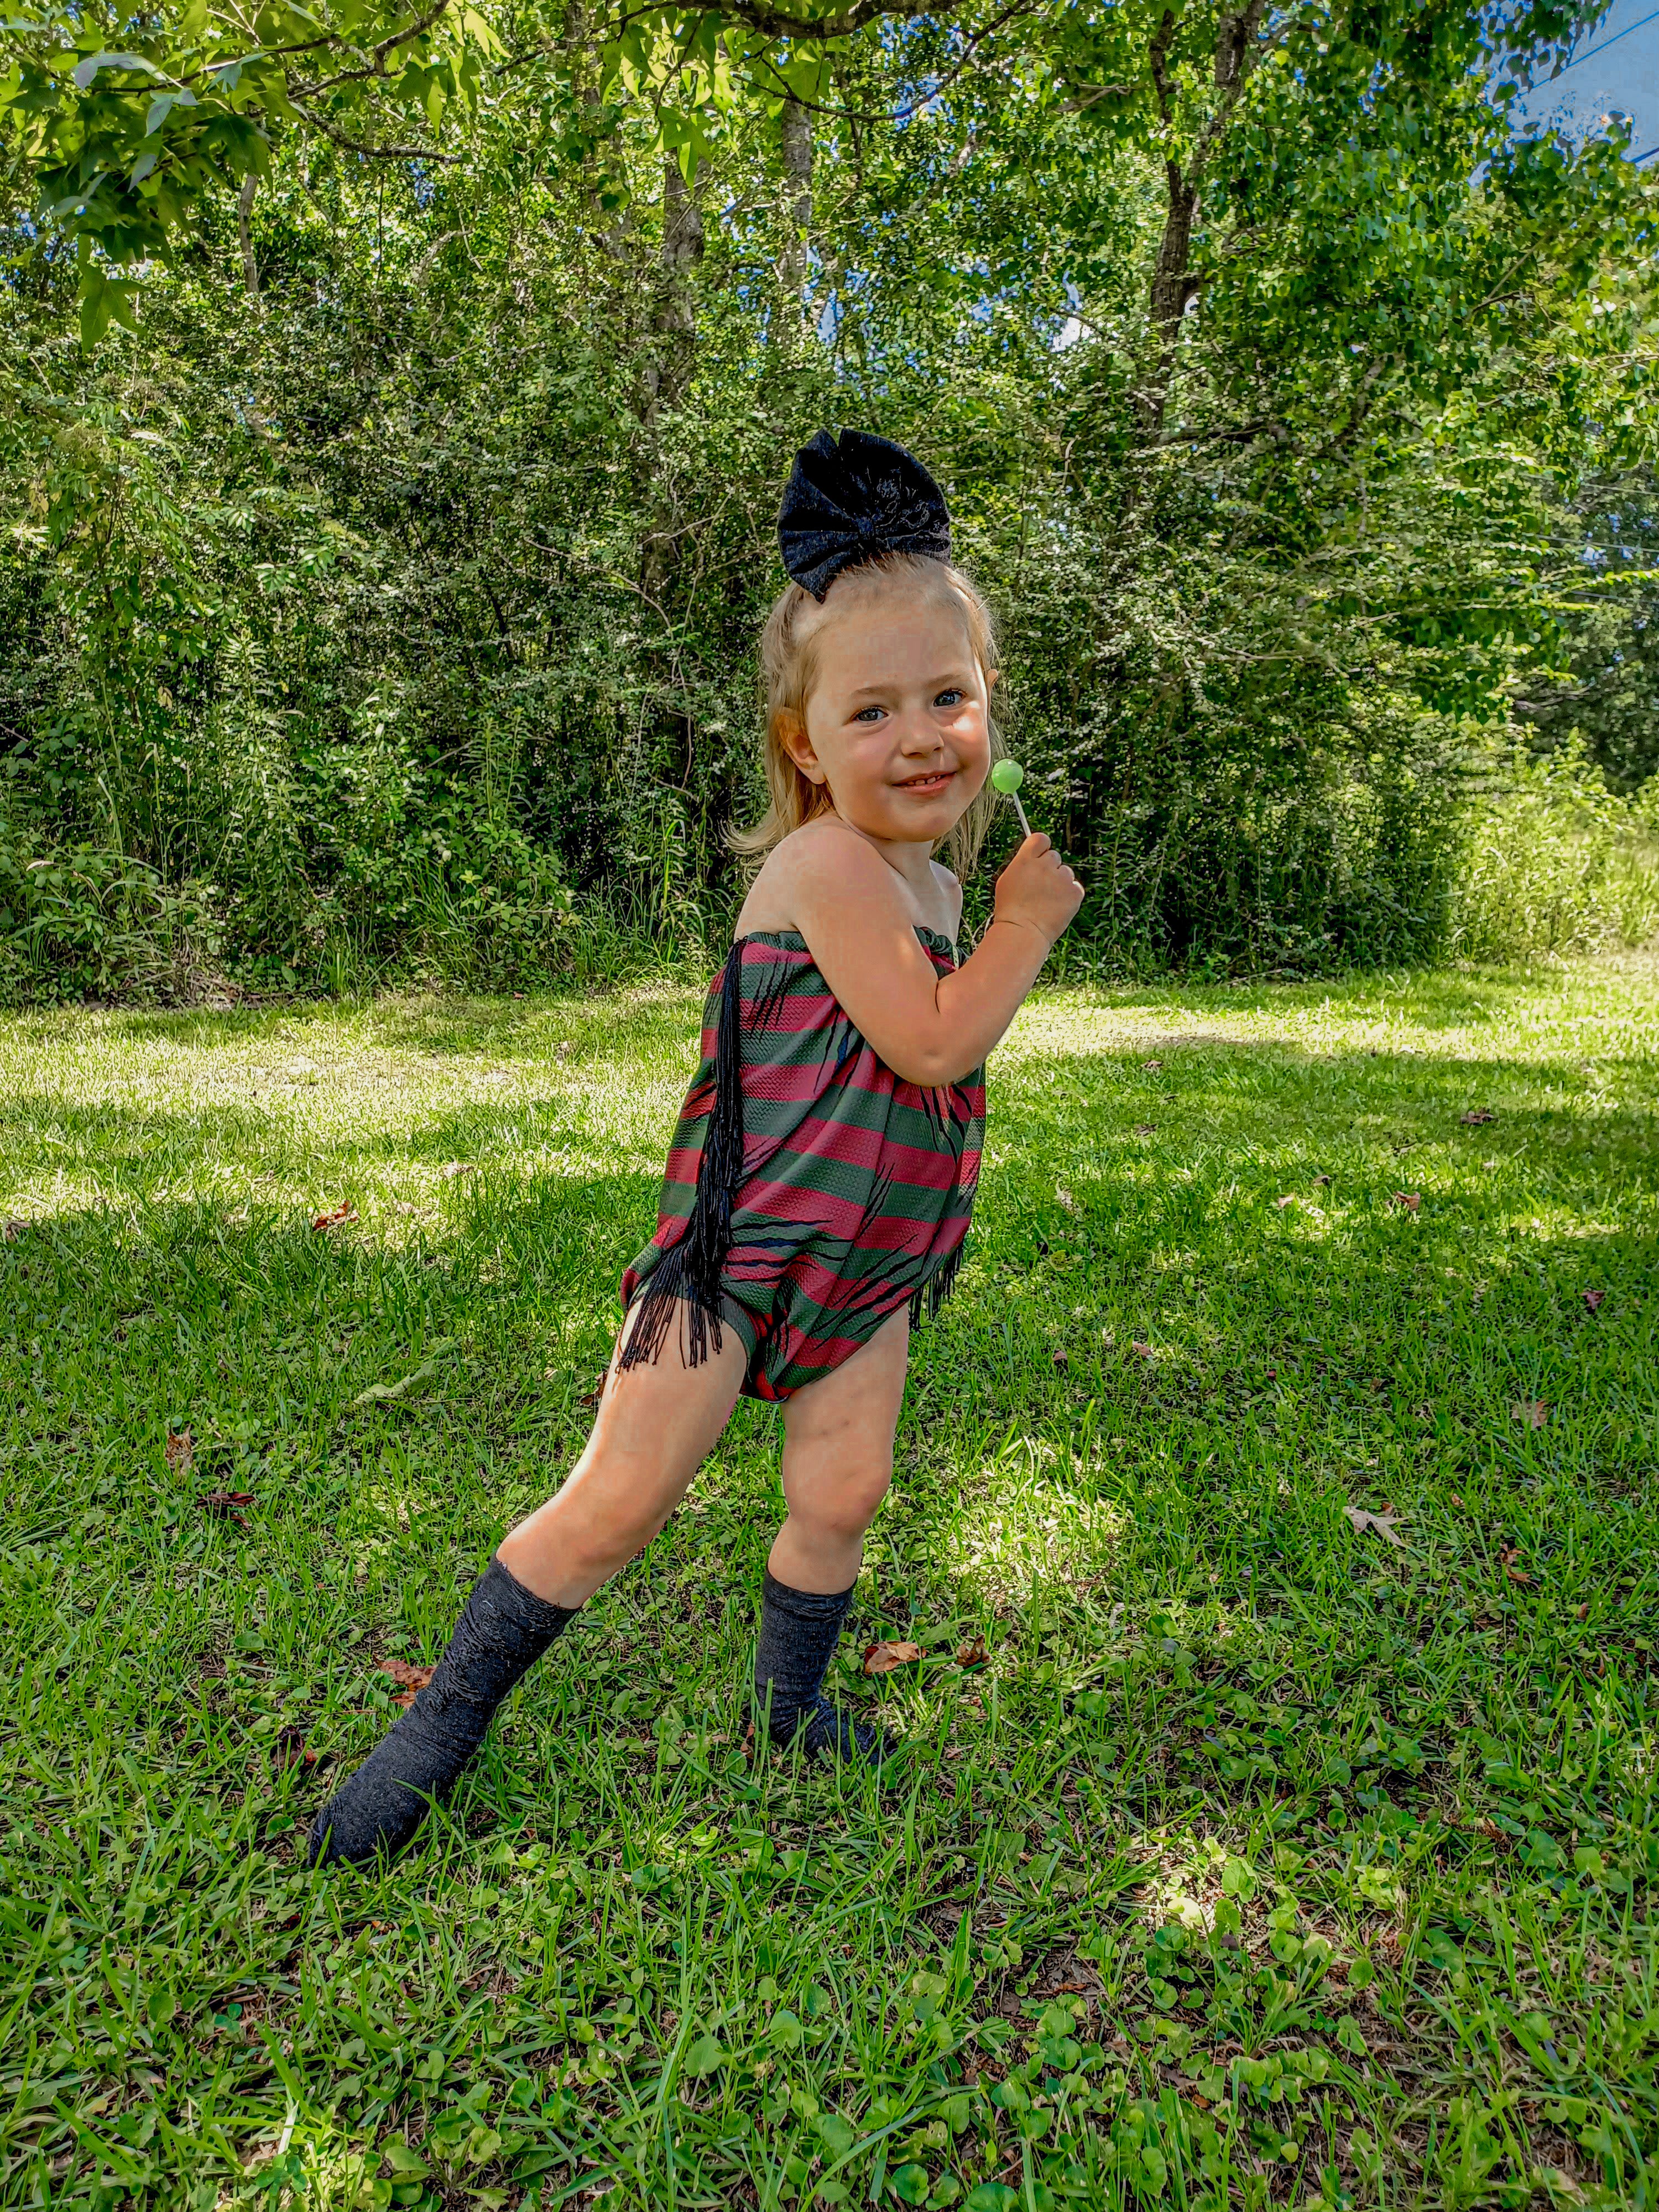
[395, 408]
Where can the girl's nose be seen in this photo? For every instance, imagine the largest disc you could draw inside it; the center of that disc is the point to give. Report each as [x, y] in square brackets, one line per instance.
[916, 731]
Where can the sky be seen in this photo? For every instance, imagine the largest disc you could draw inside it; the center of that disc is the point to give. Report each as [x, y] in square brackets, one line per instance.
[1615, 69]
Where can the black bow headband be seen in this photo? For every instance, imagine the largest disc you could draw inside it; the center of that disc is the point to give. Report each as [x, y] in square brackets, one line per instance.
[849, 501]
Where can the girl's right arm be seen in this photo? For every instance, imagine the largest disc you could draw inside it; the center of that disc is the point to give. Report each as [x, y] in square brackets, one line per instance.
[930, 1029]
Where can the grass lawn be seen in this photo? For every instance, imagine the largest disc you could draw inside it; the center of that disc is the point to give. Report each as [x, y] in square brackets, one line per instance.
[1290, 1442]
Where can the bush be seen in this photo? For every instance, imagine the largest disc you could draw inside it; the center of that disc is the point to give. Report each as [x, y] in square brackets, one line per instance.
[77, 923]
[1554, 862]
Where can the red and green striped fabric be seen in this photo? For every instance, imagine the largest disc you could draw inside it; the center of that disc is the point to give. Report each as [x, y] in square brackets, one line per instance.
[857, 1187]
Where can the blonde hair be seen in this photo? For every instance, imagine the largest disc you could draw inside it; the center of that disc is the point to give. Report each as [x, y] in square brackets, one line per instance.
[789, 669]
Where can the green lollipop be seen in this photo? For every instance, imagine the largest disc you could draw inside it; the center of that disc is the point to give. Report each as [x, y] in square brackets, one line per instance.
[1008, 776]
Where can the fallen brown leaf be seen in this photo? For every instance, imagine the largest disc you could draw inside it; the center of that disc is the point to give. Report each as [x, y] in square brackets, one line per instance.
[180, 1448]
[974, 1654]
[224, 1505]
[1144, 1350]
[1411, 1200]
[1532, 1412]
[1593, 1298]
[1281, 1203]
[1152, 1064]
[413, 1678]
[1477, 1117]
[290, 1750]
[1516, 1574]
[12, 1230]
[1059, 1357]
[345, 1211]
[883, 1658]
[591, 1397]
[1583, 1614]
[1382, 1523]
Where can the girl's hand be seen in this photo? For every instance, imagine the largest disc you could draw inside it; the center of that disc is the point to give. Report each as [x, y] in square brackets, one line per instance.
[1037, 889]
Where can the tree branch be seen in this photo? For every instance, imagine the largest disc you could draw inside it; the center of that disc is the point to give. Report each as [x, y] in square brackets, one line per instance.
[373, 152]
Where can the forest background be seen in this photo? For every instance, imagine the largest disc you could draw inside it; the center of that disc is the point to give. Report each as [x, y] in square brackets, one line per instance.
[394, 406]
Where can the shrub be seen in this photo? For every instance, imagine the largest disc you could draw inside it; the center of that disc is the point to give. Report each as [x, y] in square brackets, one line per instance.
[1554, 862]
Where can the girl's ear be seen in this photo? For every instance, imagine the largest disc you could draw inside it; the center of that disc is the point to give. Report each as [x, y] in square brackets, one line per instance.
[791, 733]
[993, 677]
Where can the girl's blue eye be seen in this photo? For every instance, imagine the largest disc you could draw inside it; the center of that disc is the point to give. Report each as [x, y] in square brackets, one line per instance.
[951, 698]
[867, 714]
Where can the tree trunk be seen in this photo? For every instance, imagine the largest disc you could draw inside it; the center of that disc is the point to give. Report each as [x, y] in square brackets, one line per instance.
[671, 357]
[1174, 287]
[670, 354]
[797, 225]
[244, 231]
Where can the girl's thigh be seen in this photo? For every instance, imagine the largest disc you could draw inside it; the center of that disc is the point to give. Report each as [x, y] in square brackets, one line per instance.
[655, 1425]
[840, 1429]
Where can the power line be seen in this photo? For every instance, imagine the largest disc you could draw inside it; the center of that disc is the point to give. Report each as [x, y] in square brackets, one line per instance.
[1591, 54]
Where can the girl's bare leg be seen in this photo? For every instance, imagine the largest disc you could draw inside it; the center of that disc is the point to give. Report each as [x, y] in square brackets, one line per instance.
[838, 1461]
[655, 1426]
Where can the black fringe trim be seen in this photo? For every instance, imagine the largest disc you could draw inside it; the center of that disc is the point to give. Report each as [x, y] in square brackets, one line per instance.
[937, 1287]
[691, 1271]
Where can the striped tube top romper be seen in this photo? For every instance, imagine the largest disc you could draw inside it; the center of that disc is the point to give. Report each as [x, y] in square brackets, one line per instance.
[810, 1192]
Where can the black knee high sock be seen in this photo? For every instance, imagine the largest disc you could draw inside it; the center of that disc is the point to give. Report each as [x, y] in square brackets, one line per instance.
[800, 1630]
[503, 1630]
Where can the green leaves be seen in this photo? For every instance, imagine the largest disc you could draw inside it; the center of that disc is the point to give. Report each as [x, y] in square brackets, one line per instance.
[104, 300]
[84, 71]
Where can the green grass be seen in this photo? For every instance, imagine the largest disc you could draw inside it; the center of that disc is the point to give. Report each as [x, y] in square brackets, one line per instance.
[1264, 1861]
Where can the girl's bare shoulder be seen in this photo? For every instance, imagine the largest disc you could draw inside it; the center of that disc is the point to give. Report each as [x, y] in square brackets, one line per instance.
[796, 872]
[949, 890]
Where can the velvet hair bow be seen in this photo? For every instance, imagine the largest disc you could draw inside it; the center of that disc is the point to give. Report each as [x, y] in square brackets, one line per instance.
[850, 500]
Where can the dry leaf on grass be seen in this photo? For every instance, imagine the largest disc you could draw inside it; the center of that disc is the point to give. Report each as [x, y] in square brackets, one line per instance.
[1532, 1413]
[1477, 1117]
[414, 1680]
[1059, 1358]
[180, 1448]
[1411, 1200]
[1152, 1065]
[883, 1658]
[12, 1230]
[1384, 1525]
[1516, 1574]
[974, 1654]
[1144, 1350]
[225, 1504]
[291, 1749]
[1281, 1203]
[345, 1211]
[1593, 1298]
[591, 1397]
[1145, 1129]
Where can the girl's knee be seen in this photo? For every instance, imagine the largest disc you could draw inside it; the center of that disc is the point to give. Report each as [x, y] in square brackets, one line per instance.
[844, 1508]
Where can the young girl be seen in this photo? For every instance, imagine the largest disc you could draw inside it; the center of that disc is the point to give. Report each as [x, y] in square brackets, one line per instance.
[822, 1176]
